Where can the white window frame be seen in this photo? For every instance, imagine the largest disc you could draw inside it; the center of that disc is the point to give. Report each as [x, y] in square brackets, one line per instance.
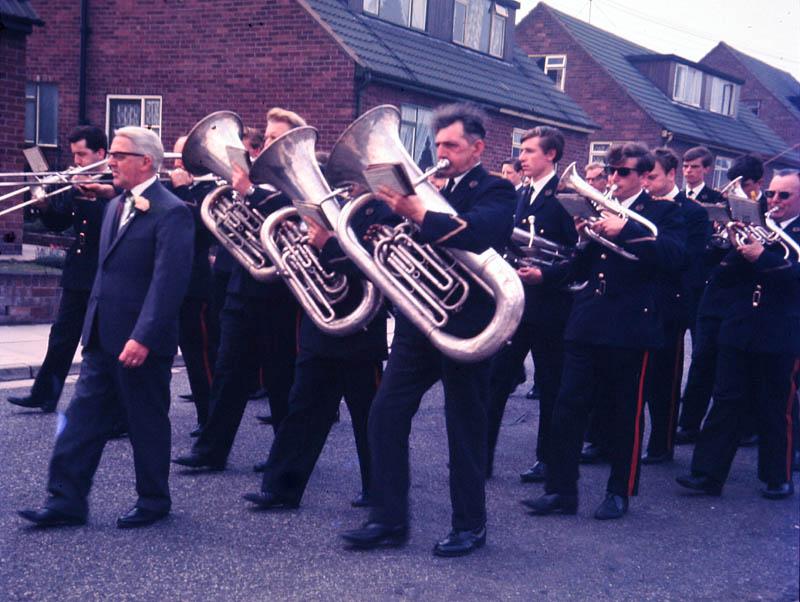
[685, 91]
[596, 155]
[411, 22]
[37, 104]
[718, 100]
[516, 141]
[721, 166]
[142, 98]
[408, 107]
[498, 20]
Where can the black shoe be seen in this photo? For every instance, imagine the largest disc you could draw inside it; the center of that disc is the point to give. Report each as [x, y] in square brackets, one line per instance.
[260, 466]
[533, 393]
[265, 419]
[778, 491]
[748, 441]
[194, 460]
[269, 501]
[47, 518]
[139, 517]
[118, 433]
[361, 500]
[187, 397]
[686, 436]
[592, 454]
[372, 535]
[195, 432]
[259, 393]
[460, 543]
[551, 503]
[700, 483]
[614, 506]
[535, 474]
[657, 458]
[28, 401]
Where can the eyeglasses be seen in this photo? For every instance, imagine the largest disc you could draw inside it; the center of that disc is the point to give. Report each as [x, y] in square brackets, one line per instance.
[782, 195]
[120, 155]
[624, 172]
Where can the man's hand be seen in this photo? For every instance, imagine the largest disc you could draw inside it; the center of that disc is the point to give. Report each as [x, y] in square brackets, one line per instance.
[180, 177]
[318, 235]
[410, 207]
[530, 275]
[241, 182]
[96, 190]
[133, 354]
[751, 251]
[610, 226]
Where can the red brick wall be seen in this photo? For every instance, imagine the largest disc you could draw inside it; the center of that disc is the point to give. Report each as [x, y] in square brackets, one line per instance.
[29, 298]
[12, 130]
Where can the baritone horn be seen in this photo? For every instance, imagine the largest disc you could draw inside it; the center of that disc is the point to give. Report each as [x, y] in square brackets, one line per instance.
[428, 284]
[289, 164]
[208, 149]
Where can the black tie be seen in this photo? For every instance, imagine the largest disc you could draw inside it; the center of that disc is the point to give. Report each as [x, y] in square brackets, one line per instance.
[451, 183]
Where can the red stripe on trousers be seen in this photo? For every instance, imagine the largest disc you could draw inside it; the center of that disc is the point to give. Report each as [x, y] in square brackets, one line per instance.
[789, 402]
[636, 434]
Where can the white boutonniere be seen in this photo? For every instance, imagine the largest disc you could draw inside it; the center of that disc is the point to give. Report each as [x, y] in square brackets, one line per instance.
[141, 204]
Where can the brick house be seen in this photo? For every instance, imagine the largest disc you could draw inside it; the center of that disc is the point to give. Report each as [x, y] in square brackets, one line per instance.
[770, 93]
[635, 94]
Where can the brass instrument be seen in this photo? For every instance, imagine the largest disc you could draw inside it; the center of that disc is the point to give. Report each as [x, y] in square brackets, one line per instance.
[428, 284]
[289, 164]
[780, 236]
[571, 180]
[748, 225]
[528, 248]
[229, 218]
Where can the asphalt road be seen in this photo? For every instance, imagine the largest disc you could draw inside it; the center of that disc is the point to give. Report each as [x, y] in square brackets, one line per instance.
[671, 546]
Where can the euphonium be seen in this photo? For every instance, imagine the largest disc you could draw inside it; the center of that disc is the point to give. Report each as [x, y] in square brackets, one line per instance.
[528, 248]
[570, 180]
[232, 221]
[289, 164]
[427, 284]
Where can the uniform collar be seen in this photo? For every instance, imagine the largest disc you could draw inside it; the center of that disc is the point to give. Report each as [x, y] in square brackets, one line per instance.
[140, 188]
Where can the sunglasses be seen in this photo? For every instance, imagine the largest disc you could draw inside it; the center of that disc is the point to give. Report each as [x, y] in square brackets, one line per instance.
[624, 172]
[782, 195]
[120, 155]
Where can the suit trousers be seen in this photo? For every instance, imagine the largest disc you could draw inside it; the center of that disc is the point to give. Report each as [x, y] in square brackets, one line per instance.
[700, 380]
[65, 334]
[772, 378]
[623, 370]
[319, 385]
[414, 366]
[663, 388]
[546, 348]
[253, 330]
[194, 338]
[106, 389]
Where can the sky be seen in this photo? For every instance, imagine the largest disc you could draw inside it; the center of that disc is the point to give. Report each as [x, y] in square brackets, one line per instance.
[769, 30]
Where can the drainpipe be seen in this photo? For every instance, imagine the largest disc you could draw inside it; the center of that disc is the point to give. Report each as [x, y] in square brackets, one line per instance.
[363, 79]
[85, 31]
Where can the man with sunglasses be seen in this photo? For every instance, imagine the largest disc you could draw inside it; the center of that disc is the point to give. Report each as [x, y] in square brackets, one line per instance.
[612, 326]
[759, 347]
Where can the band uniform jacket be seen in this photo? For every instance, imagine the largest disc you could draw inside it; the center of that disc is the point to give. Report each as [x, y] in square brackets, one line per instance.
[549, 300]
[142, 276]
[193, 195]
[618, 306]
[762, 300]
[85, 216]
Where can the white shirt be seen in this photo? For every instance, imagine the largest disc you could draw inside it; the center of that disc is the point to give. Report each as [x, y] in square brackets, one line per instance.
[630, 200]
[693, 192]
[538, 185]
[785, 223]
[457, 179]
[140, 188]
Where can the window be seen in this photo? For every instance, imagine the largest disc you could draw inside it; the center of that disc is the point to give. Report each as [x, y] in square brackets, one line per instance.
[722, 96]
[721, 167]
[144, 111]
[554, 67]
[597, 152]
[753, 105]
[516, 141]
[480, 25]
[688, 85]
[417, 134]
[408, 13]
[41, 114]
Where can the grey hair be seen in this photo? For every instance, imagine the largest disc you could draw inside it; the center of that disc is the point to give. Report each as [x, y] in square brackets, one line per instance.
[144, 141]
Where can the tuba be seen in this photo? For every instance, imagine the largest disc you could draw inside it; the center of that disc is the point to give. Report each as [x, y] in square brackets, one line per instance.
[235, 224]
[289, 165]
[570, 180]
[428, 284]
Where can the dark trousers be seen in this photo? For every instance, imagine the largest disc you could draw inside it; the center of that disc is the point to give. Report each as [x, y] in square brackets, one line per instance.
[252, 330]
[663, 389]
[106, 389]
[771, 377]
[65, 334]
[414, 366]
[219, 288]
[319, 385]
[700, 380]
[547, 350]
[623, 371]
[194, 338]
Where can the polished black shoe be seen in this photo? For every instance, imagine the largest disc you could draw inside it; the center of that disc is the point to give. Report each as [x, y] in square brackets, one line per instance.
[748, 441]
[614, 506]
[139, 517]
[686, 436]
[193, 460]
[28, 401]
[533, 393]
[47, 518]
[265, 500]
[187, 397]
[361, 500]
[535, 474]
[195, 432]
[552, 503]
[260, 466]
[264, 419]
[372, 535]
[649, 458]
[592, 454]
[460, 543]
[778, 491]
[700, 483]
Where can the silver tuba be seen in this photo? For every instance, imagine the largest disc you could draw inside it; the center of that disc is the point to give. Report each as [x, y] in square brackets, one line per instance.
[427, 284]
[289, 164]
[224, 212]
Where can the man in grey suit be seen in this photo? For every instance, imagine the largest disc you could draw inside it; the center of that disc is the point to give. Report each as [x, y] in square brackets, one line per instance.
[130, 336]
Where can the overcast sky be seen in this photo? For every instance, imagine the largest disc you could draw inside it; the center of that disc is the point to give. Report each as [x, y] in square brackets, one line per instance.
[767, 29]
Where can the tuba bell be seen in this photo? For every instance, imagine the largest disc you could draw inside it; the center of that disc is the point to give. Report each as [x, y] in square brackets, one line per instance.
[235, 224]
[289, 165]
[428, 284]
